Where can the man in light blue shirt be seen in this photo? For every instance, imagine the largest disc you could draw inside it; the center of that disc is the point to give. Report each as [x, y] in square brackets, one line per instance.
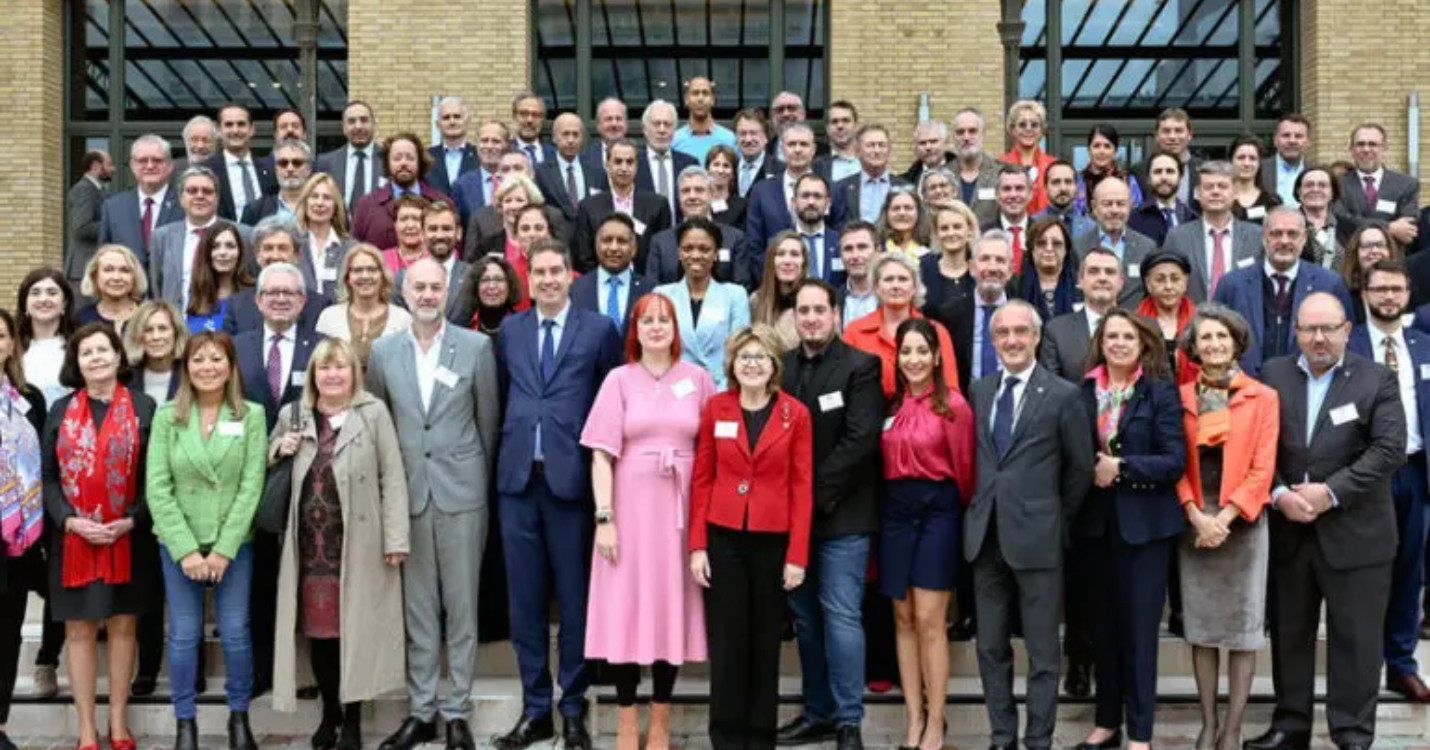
[1292, 139]
[701, 133]
[874, 174]
[857, 248]
[842, 128]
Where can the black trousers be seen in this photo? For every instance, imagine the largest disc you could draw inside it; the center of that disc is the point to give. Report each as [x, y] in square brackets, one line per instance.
[1129, 592]
[627, 678]
[747, 596]
[1078, 597]
[263, 607]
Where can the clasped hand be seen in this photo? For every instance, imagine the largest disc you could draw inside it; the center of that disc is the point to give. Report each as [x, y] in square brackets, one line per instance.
[99, 534]
[1304, 502]
[204, 568]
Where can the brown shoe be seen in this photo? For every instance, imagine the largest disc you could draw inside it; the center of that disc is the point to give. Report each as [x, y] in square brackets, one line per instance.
[658, 733]
[628, 730]
[1410, 686]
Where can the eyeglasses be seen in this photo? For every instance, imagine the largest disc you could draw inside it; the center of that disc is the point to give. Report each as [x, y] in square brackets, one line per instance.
[1368, 144]
[147, 160]
[199, 191]
[281, 293]
[290, 163]
[1374, 245]
[752, 358]
[1028, 125]
[1324, 329]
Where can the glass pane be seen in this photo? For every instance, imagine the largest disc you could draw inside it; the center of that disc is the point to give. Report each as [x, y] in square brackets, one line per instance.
[1035, 24]
[1273, 71]
[88, 50]
[804, 53]
[1033, 80]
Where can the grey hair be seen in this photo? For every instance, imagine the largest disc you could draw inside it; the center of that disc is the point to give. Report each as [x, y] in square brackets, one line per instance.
[611, 100]
[1017, 302]
[295, 143]
[1216, 168]
[150, 139]
[1286, 211]
[797, 126]
[277, 225]
[277, 268]
[982, 121]
[694, 172]
[455, 101]
[938, 125]
[197, 171]
[197, 120]
[909, 265]
[649, 108]
[994, 235]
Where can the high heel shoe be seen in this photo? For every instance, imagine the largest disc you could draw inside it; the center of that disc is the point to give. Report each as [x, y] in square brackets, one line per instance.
[922, 728]
[943, 732]
[125, 744]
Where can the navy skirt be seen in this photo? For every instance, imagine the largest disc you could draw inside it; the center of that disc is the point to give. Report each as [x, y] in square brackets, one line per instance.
[920, 540]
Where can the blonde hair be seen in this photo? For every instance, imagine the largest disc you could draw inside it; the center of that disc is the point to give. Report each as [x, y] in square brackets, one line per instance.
[340, 207]
[384, 293]
[90, 288]
[768, 340]
[909, 265]
[1027, 105]
[134, 330]
[521, 181]
[327, 351]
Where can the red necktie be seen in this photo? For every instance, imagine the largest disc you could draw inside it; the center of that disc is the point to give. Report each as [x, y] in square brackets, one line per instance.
[1218, 259]
[146, 222]
[1371, 192]
[1017, 246]
[197, 246]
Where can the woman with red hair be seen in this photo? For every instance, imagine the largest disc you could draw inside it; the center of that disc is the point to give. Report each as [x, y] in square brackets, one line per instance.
[644, 608]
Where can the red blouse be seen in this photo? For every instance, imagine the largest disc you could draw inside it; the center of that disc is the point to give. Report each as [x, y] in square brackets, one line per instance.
[919, 444]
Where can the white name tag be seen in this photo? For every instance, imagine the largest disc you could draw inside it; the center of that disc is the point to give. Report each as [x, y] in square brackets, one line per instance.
[718, 206]
[985, 194]
[22, 406]
[1425, 372]
[1256, 212]
[640, 225]
[888, 423]
[723, 254]
[1385, 207]
[683, 388]
[836, 264]
[831, 401]
[1244, 262]
[1134, 272]
[230, 429]
[727, 430]
[298, 379]
[1323, 237]
[336, 420]
[327, 274]
[1342, 414]
[445, 377]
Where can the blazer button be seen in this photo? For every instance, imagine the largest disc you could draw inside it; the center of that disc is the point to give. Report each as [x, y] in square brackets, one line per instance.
[744, 488]
[429, 454]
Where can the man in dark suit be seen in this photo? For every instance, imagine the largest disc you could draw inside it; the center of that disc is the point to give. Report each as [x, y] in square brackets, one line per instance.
[1422, 234]
[274, 241]
[241, 180]
[610, 127]
[1111, 203]
[840, 387]
[569, 177]
[1387, 340]
[752, 138]
[292, 162]
[199, 138]
[659, 165]
[288, 124]
[662, 264]
[1371, 191]
[863, 194]
[1060, 186]
[405, 161]
[1217, 243]
[771, 208]
[1014, 192]
[648, 211]
[1064, 344]
[615, 286]
[786, 109]
[476, 189]
[1161, 210]
[1174, 136]
[130, 218]
[487, 220]
[552, 359]
[85, 212]
[357, 166]
[454, 156]
[931, 150]
[528, 112]
[1034, 466]
[969, 318]
[1291, 140]
[1268, 293]
[1342, 440]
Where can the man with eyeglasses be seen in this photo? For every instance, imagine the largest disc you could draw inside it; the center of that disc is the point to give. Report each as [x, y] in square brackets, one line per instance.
[1267, 294]
[241, 179]
[130, 218]
[406, 161]
[787, 108]
[1370, 191]
[293, 163]
[1386, 339]
[863, 195]
[172, 248]
[288, 124]
[275, 240]
[1342, 440]
[528, 117]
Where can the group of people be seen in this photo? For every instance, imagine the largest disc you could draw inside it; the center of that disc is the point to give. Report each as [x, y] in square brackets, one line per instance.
[688, 386]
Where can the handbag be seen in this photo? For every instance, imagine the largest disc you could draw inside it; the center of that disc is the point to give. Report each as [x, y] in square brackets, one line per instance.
[272, 514]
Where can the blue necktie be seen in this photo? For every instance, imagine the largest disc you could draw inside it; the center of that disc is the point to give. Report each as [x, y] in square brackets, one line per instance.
[613, 302]
[548, 348]
[1171, 216]
[1003, 420]
[988, 357]
[531, 153]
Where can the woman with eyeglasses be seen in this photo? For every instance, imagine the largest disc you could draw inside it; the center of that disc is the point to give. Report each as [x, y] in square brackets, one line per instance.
[1370, 243]
[1027, 123]
[490, 293]
[1050, 269]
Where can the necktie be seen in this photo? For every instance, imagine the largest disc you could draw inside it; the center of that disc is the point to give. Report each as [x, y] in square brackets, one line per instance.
[1170, 217]
[1372, 193]
[1391, 360]
[662, 180]
[571, 192]
[1017, 233]
[198, 244]
[531, 154]
[815, 244]
[613, 302]
[250, 190]
[1218, 258]
[988, 357]
[747, 176]
[1003, 419]
[275, 369]
[359, 185]
[493, 183]
[1283, 301]
[548, 348]
[146, 222]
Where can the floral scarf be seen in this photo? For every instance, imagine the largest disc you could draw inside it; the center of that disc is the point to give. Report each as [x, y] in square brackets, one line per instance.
[21, 508]
[1214, 407]
[1110, 403]
[97, 474]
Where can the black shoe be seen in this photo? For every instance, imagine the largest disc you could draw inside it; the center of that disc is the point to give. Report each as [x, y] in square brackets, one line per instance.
[412, 733]
[1279, 739]
[188, 735]
[262, 687]
[326, 736]
[5, 743]
[528, 730]
[201, 685]
[849, 738]
[143, 686]
[801, 731]
[240, 737]
[307, 693]
[459, 736]
[1077, 684]
[1111, 743]
[1003, 747]
[573, 732]
[962, 629]
[1353, 746]
[351, 736]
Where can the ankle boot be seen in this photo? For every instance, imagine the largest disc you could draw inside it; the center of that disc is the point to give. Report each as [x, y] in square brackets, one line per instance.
[351, 736]
[240, 736]
[658, 733]
[188, 735]
[628, 731]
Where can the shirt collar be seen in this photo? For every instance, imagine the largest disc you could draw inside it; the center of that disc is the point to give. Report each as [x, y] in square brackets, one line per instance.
[1378, 174]
[1107, 241]
[980, 304]
[436, 337]
[191, 227]
[1378, 337]
[230, 160]
[269, 333]
[459, 149]
[1286, 166]
[366, 150]
[1289, 273]
[1022, 375]
[560, 317]
[866, 178]
[815, 231]
[603, 277]
[157, 195]
[1306, 367]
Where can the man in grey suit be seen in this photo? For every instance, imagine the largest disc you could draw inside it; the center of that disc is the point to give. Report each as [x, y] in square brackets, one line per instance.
[1216, 244]
[1111, 205]
[358, 167]
[1371, 191]
[1333, 527]
[440, 382]
[977, 169]
[662, 265]
[86, 209]
[171, 249]
[1064, 344]
[1035, 464]
[200, 136]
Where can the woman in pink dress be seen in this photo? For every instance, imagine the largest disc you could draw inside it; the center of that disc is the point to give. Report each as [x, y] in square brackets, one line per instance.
[644, 606]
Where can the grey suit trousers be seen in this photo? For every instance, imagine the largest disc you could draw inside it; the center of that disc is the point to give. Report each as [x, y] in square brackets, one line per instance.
[442, 574]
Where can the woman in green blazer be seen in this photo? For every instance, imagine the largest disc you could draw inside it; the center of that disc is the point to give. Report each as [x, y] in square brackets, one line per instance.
[207, 458]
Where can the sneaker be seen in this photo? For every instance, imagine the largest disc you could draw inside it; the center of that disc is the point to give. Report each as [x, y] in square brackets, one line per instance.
[46, 682]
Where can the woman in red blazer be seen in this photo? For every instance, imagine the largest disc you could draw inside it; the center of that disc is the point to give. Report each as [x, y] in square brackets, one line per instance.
[751, 499]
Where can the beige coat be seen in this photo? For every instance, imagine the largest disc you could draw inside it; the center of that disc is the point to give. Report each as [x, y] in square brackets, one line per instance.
[372, 487]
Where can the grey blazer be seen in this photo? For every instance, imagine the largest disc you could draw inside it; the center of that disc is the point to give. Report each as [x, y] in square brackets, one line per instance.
[1039, 483]
[1189, 240]
[166, 260]
[986, 209]
[1396, 187]
[1063, 348]
[449, 447]
[86, 204]
[1136, 247]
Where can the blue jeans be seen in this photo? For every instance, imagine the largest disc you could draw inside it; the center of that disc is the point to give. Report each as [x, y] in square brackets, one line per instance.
[186, 629]
[830, 630]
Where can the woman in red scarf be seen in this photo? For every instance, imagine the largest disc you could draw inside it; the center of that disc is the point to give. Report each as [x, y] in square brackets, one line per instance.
[104, 567]
[1165, 276]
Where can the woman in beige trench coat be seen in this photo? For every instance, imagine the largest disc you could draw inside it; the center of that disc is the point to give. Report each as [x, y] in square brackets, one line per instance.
[340, 581]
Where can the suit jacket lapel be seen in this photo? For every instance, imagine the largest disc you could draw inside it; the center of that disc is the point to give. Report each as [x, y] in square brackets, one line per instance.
[220, 445]
[192, 442]
[568, 337]
[1333, 392]
[445, 359]
[1033, 398]
[776, 428]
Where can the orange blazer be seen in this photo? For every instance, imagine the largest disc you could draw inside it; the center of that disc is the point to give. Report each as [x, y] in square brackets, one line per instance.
[867, 335]
[1038, 193]
[768, 489]
[1249, 453]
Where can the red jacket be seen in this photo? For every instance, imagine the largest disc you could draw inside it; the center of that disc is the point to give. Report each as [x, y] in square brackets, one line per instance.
[769, 490]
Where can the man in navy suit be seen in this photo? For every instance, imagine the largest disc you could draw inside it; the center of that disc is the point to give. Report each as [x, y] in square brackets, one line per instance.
[570, 176]
[553, 358]
[1386, 339]
[1161, 211]
[1267, 294]
[659, 165]
[241, 180]
[662, 263]
[821, 238]
[528, 111]
[610, 127]
[131, 217]
[771, 202]
[275, 240]
[649, 211]
[454, 156]
[288, 124]
[615, 286]
[475, 189]
[863, 194]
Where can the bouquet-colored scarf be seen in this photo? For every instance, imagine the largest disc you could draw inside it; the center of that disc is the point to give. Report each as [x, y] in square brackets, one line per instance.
[22, 512]
[97, 473]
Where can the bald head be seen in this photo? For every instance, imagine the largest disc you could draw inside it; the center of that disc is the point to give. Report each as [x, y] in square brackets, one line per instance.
[568, 133]
[1111, 205]
[425, 289]
[1322, 331]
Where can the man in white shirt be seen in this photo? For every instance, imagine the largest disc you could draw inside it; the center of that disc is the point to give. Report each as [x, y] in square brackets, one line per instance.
[857, 247]
[528, 113]
[358, 165]
[240, 180]
[1216, 244]
[659, 163]
[1292, 140]
[841, 127]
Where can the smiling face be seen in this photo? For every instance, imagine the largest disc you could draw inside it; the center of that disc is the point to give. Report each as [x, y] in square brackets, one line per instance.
[874, 151]
[1387, 294]
[1102, 153]
[937, 190]
[209, 369]
[1121, 346]
[751, 138]
[903, 213]
[98, 361]
[992, 267]
[113, 276]
[953, 231]
[237, 129]
[917, 359]
[694, 196]
[1173, 135]
[753, 367]
[281, 299]
[815, 316]
[1215, 345]
[151, 166]
[789, 261]
[364, 279]
[511, 204]
[408, 225]
[46, 302]
[199, 199]
[611, 120]
[492, 287]
[1026, 128]
[225, 252]
[441, 233]
[531, 226]
[334, 378]
[289, 125]
[615, 246]
[491, 144]
[403, 162]
[1283, 235]
[1013, 195]
[292, 167]
[697, 254]
[1368, 149]
[158, 337]
[1374, 247]
[1014, 336]
[358, 125]
[721, 170]
[1112, 203]
[276, 248]
[1247, 160]
[894, 286]
[1291, 140]
[425, 290]
[322, 202]
[550, 280]
[1316, 190]
[655, 328]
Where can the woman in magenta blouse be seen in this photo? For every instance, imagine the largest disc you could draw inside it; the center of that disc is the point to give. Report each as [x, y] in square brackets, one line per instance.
[928, 468]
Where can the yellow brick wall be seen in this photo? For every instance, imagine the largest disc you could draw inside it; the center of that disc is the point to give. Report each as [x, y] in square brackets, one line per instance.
[32, 180]
[882, 60]
[397, 59]
[1359, 63]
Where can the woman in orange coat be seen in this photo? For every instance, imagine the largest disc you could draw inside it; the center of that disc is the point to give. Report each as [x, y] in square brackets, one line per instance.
[900, 292]
[1027, 124]
[751, 506]
[1232, 423]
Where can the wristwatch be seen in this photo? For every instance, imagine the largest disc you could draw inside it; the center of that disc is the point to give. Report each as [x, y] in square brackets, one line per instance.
[604, 515]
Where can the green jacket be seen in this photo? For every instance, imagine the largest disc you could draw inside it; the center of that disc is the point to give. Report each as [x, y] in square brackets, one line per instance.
[204, 493]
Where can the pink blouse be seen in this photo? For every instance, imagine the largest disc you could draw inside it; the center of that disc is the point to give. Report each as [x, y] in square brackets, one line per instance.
[394, 260]
[919, 444]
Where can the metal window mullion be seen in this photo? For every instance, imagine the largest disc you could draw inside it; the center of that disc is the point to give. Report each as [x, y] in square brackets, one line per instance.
[1053, 77]
[1246, 61]
[584, 106]
[777, 47]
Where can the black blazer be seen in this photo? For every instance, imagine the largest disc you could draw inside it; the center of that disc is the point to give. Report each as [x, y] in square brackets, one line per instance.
[650, 210]
[29, 566]
[957, 314]
[263, 175]
[251, 360]
[842, 390]
[586, 296]
[1358, 444]
[260, 209]
[136, 379]
[242, 313]
[1143, 506]
[646, 181]
[734, 213]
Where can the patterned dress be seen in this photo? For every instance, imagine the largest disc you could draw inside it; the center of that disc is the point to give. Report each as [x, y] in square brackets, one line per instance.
[320, 541]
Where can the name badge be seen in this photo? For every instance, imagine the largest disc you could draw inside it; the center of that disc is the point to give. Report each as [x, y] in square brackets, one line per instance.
[1134, 272]
[1323, 237]
[297, 379]
[831, 401]
[230, 429]
[718, 206]
[1256, 212]
[1342, 414]
[22, 406]
[683, 388]
[1385, 207]
[1244, 262]
[1425, 372]
[986, 194]
[336, 420]
[640, 225]
[836, 264]
[1032, 174]
[727, 430]
[327, 274]
[723, 254]
[445, 377]
[888, 423]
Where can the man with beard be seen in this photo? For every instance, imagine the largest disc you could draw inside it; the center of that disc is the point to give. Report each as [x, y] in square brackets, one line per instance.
[1405, 352]
[615, 285]
[611, 126]
[662, 266]
[1267, 294]
[977, 169]
[1216, 244]
[86, 210]
[357, 167]
[811, 209]
[648, 211]
[441, 235]
[199, 135]
[241, 181]
[696, 137]
[406, 161]
[1060, 185]
[1111, 203]
[288, 124]
[528, 114]
[475, 189]
[292, 163]
[931, 148]
[454, 156]
[772, 202]
[969, 318]
[1161, 210]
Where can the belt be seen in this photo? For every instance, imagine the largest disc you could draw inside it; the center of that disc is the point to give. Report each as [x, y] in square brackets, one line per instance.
[538, 468]
[669, 466]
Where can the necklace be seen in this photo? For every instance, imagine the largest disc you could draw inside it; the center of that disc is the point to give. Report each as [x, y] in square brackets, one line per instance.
[656, 375]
